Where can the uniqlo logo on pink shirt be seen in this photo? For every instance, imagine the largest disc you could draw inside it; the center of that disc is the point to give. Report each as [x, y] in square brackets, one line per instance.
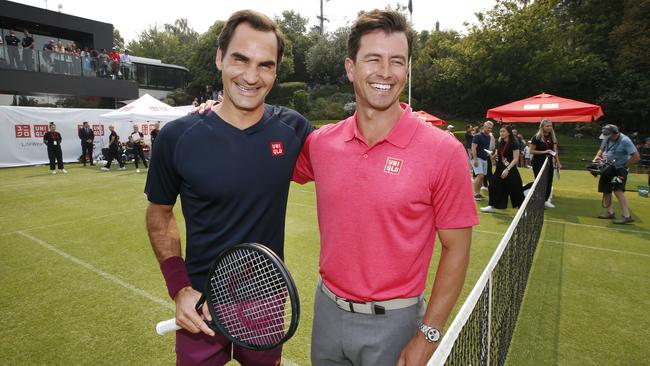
[393, 165]
[277, 148]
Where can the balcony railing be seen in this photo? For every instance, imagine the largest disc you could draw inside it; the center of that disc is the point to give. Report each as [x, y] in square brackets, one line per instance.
[18, 58]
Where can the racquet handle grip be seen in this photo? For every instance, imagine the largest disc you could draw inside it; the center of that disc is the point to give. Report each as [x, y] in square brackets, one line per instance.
[167, 326]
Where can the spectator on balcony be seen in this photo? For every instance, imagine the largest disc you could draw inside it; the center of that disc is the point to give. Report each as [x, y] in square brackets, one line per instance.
[103, 61]
[12, 49]
[86, 63]
[28, 50]
[49, 47]
[115, 62]
[2, 51]
[94, 61]
[47, 55]
[59, 58]
[125, 60]
[73, 59]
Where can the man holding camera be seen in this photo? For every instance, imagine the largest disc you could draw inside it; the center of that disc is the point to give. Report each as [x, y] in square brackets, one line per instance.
[619, 151]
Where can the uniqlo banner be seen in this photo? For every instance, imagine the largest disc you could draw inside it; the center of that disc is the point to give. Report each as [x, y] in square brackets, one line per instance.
[22, 130]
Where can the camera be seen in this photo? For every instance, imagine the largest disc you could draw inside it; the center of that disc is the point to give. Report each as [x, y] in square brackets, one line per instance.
[597, 168]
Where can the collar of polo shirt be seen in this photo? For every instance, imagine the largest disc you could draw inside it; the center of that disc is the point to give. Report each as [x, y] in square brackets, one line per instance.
[400, 135]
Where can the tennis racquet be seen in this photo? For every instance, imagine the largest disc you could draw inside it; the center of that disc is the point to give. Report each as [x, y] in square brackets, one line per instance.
[251, 297]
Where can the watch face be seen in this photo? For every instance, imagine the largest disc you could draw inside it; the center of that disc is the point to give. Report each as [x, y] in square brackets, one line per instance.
[433, 335]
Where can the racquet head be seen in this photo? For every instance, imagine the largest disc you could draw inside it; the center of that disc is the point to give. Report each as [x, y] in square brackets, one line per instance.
[252, 298]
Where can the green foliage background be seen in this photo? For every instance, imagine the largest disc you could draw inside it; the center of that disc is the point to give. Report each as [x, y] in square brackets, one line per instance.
[591, 50]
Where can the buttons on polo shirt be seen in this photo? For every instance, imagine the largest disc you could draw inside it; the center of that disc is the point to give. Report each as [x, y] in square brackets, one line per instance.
[365, 156]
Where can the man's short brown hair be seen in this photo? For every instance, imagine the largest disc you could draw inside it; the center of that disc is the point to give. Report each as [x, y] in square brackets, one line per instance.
[389, 21]
[257, 21]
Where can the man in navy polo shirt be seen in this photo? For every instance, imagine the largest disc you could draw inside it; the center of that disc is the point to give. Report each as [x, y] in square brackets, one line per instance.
[232, 168]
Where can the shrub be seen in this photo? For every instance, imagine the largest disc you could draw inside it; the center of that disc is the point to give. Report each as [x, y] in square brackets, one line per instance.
[282, 94]
[301, 101]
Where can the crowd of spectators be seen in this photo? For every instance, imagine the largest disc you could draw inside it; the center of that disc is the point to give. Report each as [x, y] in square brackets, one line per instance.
[66, 58]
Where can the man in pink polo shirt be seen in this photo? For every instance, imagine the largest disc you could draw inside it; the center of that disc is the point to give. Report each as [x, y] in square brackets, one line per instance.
[386, 183]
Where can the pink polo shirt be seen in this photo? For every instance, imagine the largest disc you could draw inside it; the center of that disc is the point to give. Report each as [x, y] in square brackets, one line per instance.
[379, 207]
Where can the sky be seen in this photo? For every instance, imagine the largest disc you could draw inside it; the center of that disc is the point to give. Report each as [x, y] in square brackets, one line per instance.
[132, 17]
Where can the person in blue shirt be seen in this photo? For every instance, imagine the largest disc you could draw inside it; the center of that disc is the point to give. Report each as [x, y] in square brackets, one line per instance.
[618, 149]
[231, 168]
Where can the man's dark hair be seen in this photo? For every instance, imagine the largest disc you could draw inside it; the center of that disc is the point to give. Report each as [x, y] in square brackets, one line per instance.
[257, 21]
[389, 21]
[85, 122]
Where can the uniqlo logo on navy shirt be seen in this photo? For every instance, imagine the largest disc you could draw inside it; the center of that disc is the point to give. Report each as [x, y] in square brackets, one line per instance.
[277, 148]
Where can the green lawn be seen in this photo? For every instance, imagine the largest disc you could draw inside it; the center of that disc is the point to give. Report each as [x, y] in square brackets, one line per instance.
[81, 285]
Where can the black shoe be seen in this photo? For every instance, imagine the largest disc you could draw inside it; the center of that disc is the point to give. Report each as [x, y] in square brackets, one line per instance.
[623, 220]
[607, 216]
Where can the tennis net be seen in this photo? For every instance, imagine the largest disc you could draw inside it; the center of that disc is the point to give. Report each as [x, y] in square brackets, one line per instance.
[481, 332]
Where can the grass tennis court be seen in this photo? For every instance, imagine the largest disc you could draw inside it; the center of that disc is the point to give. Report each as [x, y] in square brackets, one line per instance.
[81, 286]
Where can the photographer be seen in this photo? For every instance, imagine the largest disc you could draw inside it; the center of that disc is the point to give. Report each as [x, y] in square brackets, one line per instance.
[618, 153]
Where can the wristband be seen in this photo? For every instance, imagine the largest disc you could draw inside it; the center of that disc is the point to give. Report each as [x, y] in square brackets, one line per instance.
[175, 273]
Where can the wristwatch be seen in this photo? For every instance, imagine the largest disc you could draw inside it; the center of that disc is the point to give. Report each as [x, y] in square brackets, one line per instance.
[431, 334]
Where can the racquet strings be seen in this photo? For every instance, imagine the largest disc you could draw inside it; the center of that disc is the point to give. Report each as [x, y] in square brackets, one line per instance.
[250, 298]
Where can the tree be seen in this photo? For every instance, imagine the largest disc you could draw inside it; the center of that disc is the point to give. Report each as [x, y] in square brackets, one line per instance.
[172, 44]
[202, 62]
[118, 41]
[294, 28]
[629, 98]
[325, 59]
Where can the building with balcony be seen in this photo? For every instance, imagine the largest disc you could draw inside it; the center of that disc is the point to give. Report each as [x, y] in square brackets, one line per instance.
[63, 65]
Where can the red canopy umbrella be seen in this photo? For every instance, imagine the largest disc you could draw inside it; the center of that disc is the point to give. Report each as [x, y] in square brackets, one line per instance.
[541, 106]
[426, 117]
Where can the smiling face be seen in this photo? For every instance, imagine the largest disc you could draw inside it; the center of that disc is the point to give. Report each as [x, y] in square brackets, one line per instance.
[248, 68]
[380, 70]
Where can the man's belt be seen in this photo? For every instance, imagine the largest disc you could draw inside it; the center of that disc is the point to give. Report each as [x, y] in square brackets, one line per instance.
[371, 307]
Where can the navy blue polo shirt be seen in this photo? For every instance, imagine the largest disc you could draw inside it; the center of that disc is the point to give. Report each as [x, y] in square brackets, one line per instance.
[482, 142]
[233, 183]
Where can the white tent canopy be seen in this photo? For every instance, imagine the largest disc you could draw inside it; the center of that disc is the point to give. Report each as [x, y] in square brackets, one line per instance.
[145, 108]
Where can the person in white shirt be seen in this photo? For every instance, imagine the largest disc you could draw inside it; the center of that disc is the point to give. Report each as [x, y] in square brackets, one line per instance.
[138, 141]
[125, 65]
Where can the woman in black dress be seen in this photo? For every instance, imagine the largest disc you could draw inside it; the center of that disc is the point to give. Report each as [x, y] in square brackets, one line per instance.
[544, 144]
[506, 181]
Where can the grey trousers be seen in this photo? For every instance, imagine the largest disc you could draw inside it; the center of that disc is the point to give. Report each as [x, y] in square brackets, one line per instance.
[340, 337]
